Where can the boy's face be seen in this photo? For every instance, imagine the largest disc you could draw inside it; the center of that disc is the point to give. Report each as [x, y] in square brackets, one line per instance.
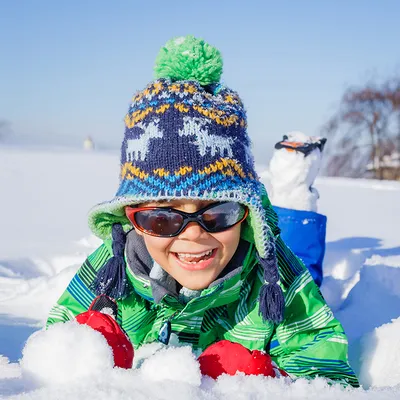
[195, 257]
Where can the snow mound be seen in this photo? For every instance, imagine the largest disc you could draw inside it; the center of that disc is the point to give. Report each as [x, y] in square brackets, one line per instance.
[378, 291]
[65, 353]
[381, 366]
[175, 364]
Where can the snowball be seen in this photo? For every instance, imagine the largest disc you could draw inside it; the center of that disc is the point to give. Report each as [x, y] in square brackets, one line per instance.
[380, 356]
[175, 364]
[65, 352]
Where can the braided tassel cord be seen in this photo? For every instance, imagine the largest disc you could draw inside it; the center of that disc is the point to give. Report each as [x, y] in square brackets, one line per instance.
[111, 279]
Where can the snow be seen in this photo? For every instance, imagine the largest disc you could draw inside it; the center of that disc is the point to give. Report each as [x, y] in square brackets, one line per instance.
[8, 370]
[65, 353]
[381, 355]
[44, 239]
[174, 364]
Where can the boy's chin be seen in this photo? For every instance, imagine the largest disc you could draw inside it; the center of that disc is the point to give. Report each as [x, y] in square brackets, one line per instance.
[196, 287]
[198, 284]
[193, 285]
[194, 280]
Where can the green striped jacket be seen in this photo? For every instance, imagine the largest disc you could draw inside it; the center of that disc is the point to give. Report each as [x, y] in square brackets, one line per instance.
[309, 342]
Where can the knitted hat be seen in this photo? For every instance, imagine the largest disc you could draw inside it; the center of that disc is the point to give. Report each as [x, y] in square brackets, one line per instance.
[186, 137]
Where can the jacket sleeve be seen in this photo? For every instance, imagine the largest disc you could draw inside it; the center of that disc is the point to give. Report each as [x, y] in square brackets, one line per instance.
[310, 341]
[78, 297]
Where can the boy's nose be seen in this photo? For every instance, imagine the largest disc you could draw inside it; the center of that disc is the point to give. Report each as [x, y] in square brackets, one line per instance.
[192, 231]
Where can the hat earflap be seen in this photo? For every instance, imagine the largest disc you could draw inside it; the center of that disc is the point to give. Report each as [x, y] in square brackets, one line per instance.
[111, 278]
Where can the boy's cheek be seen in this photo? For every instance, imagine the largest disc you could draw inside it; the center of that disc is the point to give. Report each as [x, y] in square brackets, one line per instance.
[158, 247]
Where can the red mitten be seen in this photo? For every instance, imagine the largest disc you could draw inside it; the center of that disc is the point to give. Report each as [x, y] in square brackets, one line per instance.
[225, 357]
[103, 321]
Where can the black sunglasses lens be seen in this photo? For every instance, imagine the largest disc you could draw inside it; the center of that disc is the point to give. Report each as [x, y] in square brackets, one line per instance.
[222, 216]
[159, 222]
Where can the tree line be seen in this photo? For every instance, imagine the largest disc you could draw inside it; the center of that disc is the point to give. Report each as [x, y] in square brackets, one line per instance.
[364, 132]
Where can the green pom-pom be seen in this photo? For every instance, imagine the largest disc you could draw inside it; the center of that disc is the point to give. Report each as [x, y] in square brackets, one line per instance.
[189, 58]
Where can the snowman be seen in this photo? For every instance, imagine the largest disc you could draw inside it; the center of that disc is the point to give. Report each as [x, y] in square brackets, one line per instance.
[292, 170]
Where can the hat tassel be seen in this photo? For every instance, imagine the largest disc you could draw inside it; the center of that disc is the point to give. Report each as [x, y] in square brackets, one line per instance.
[271, 300]
[111, 278]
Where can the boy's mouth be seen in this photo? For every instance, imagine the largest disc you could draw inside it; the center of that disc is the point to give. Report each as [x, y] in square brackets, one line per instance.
[192, 258]
[195, 260]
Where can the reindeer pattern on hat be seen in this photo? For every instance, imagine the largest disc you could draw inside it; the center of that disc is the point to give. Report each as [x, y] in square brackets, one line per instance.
[137, 149]
[206, 142]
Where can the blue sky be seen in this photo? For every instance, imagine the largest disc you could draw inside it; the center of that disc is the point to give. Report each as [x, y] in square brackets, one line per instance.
[69, 68]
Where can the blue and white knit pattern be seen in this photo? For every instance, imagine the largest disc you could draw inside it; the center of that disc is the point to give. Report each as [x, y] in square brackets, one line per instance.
[188, 141]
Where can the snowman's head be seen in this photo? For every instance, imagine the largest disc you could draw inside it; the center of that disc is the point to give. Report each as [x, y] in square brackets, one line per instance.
[297, 158]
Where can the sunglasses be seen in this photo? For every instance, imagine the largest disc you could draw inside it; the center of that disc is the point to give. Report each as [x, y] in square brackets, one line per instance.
[169, 222]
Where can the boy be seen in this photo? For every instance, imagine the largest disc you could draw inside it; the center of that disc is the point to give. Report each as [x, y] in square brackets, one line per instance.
[195, 247]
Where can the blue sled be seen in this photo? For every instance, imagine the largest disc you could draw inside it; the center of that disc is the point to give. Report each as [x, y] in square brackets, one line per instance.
[304, 232]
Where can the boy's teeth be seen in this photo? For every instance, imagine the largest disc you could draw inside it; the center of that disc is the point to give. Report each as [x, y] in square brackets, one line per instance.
[187, 257]
[205, 253]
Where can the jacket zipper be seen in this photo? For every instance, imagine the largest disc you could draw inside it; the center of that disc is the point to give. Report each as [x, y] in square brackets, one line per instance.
[164, 334]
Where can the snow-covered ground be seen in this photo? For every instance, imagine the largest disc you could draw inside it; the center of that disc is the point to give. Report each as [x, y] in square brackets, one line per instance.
[44, 238]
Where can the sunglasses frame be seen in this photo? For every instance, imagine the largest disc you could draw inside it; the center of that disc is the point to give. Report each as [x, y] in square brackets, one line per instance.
[187, 217]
